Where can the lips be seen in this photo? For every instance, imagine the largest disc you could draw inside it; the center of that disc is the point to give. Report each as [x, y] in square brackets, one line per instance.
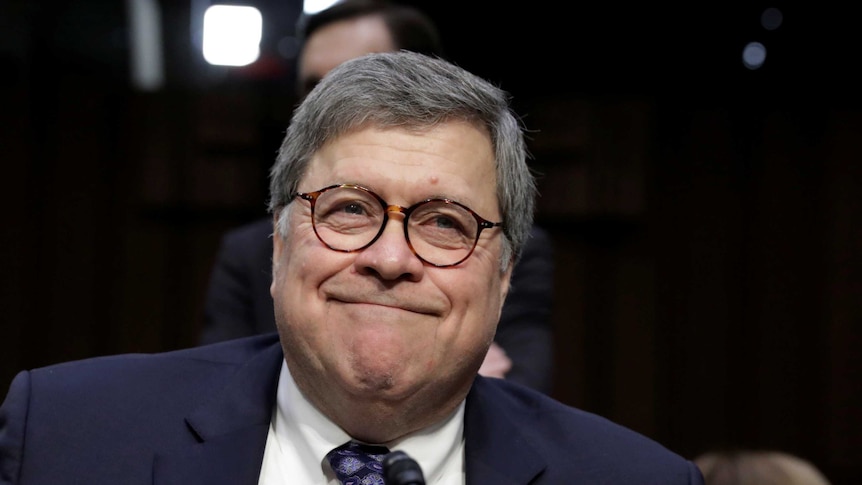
[389, 300]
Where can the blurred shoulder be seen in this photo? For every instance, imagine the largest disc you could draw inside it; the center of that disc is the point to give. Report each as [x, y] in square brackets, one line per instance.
[258, 230]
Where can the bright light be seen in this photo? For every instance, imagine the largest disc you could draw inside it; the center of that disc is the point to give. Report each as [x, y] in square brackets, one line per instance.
[231, 35]
[310, 7]
[754, 55]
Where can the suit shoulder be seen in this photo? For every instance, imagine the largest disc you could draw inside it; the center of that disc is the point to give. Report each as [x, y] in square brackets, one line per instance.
[552, 427]
[103, 419]
[196, 364]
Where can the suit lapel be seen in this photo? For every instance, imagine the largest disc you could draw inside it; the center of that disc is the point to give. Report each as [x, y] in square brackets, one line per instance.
[497, 451]
[231, 429]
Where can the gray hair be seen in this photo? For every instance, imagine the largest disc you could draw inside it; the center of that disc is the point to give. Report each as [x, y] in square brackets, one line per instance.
[409, 90]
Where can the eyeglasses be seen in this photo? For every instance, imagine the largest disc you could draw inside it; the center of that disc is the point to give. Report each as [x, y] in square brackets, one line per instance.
[440, 232]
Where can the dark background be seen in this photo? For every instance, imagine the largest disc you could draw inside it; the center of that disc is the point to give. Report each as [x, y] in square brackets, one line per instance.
[706, 216]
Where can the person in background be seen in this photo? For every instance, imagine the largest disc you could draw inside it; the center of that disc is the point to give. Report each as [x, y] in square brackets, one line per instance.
[237, 302]
[757, 467]
[401, 199]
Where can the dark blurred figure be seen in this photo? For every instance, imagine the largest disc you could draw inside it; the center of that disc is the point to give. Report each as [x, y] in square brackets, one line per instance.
[756, 467]
[238, 302]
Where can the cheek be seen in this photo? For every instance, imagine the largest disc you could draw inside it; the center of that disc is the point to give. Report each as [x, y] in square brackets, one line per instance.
[476, 301]
[298, 264]
[298, 272]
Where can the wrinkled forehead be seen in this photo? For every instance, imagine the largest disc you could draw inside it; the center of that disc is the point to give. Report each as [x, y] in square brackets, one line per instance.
[452, 159]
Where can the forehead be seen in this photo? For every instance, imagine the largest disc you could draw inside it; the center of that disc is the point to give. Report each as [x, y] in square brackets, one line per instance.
[453, 159]
[343, 40]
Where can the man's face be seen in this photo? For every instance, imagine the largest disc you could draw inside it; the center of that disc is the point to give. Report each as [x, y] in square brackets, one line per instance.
[340, 41]
[378, 324]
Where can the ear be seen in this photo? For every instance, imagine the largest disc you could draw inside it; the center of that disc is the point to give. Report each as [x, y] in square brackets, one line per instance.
[506, 280]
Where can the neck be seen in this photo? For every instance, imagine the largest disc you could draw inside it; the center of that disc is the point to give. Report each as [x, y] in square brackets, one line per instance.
[375, 419]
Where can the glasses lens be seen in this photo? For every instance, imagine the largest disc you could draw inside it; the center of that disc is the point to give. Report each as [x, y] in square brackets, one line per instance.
[442, 232]
[347, 218]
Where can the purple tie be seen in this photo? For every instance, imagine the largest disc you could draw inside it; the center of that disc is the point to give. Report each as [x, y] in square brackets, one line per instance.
[358, 464]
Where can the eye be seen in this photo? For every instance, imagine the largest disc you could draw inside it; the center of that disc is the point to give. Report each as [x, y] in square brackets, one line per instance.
[445, 222]
[354, 208]
[347, 202]
[351, 208]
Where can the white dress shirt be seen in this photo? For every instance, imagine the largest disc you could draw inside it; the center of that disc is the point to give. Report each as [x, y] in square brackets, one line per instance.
[300, 437]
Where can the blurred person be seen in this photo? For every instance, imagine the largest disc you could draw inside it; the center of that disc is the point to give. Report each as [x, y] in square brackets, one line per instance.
[401, 198]
[237, 301]
[757, 467]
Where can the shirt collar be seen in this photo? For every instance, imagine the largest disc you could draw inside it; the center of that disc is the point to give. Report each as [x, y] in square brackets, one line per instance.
[438, 449]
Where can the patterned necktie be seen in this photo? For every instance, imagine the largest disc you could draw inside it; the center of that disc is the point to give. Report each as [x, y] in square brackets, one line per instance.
[358, 464]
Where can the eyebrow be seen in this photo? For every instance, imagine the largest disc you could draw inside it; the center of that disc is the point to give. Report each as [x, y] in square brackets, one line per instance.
[436, 195]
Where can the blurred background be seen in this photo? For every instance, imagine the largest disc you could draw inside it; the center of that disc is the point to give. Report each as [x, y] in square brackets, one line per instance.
[699, 166]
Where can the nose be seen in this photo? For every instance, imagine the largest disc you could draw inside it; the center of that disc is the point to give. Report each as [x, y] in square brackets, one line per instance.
[390, 257]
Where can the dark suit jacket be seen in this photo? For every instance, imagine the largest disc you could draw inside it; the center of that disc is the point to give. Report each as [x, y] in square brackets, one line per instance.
[238, 302]
[200, 416]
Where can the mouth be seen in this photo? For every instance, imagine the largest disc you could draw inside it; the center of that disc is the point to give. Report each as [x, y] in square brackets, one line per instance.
[387, 302]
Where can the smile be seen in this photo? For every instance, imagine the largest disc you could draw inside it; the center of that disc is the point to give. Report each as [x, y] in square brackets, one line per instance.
[411, 307]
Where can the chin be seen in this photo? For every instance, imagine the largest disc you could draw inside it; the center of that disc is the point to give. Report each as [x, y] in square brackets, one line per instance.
[384, 385]
[374, 378]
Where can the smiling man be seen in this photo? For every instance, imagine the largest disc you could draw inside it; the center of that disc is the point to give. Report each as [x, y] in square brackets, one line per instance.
[399, 337]
[401, 199]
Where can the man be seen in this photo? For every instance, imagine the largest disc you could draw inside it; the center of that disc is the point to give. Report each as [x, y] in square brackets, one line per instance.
[238, 303]
[401, 199]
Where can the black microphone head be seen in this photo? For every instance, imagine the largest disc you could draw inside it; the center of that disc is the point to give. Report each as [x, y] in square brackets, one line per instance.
[400, 469]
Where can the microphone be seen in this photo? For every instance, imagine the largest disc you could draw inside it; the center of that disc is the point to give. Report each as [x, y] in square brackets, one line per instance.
[400, 469]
